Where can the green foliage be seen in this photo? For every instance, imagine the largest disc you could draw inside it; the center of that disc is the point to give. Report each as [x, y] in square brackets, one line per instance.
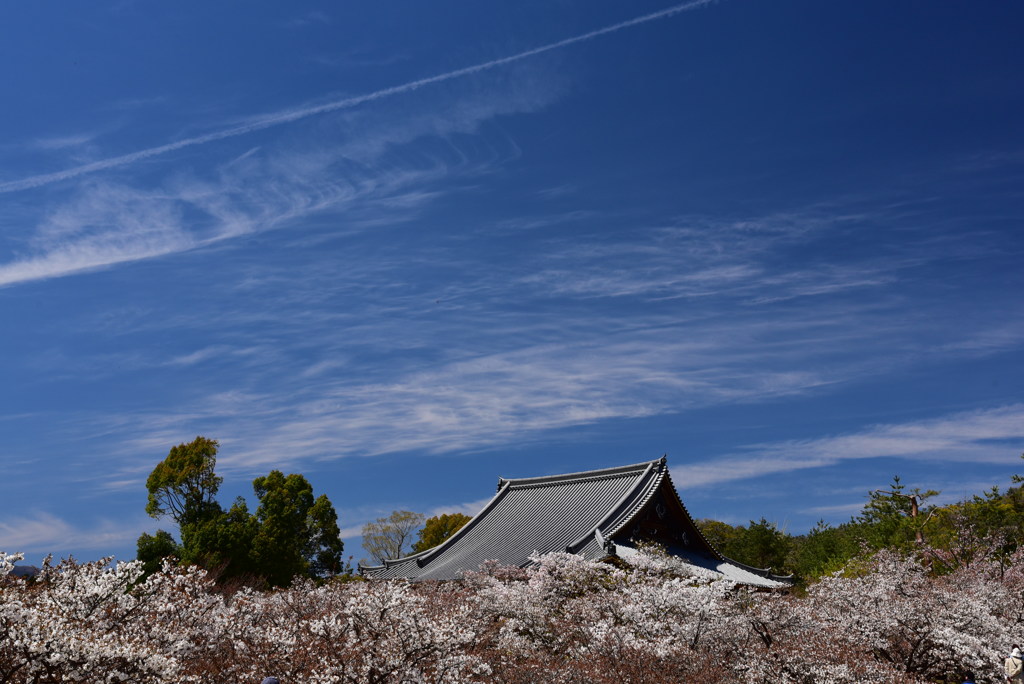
[721, 535]
[153, 549]
[292, 533]
[823, 550]
[761, 545]
[888, 518]
[295, 534]
[222, 543]
[323, 545]
[184, 485]
[389, 537]
[439, 528]
[989, 525]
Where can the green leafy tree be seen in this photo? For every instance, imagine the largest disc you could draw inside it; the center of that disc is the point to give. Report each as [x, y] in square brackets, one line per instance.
[222, 544]
[895, 518]
[762, 545]
[987, 526]
[824, 549]
[153, 549]
[184, 485]
[296, 533]
[389, 537]
[292, 532]
[722, 535]
[324, 545]
[439, 528]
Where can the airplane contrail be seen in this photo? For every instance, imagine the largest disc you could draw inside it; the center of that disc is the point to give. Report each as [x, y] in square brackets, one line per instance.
[288, 116]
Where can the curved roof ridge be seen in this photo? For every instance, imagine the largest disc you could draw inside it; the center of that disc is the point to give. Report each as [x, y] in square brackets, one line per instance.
[619, 519]
[645, 484]
[639, 468]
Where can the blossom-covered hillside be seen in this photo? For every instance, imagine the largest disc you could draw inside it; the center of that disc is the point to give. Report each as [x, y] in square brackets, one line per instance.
[564, 619]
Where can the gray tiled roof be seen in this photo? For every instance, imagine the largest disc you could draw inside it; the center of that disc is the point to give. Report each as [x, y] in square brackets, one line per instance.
[575, 512]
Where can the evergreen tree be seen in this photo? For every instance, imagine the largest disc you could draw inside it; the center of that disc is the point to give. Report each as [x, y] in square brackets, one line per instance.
[184, 485]
[153, 549]
[439, 528]
[295, 533]
[292, 532]
[895, 518]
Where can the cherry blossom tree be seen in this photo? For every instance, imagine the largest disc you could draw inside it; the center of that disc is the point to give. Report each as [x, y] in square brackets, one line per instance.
[886, 618]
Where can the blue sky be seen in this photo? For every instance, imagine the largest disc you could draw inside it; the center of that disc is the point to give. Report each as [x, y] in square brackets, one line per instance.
[407, 248]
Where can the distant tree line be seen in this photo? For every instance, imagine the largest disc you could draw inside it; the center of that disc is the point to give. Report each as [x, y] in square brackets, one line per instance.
[294, 534]
[896, 518]
[989, 525]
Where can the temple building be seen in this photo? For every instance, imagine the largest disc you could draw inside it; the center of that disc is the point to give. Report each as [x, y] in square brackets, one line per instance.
[599, 514]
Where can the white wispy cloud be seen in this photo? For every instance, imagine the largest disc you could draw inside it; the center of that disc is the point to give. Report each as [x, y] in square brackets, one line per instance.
[995, 337]
[466, 371]
[352, 532]
[296, 114]
[468, 403]
[64, 142]
[97, 251]
[850, 509]
[703, 257]
[497, 376]
[970, 437]
[213, 352]
[44, 533]
[369, 177]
